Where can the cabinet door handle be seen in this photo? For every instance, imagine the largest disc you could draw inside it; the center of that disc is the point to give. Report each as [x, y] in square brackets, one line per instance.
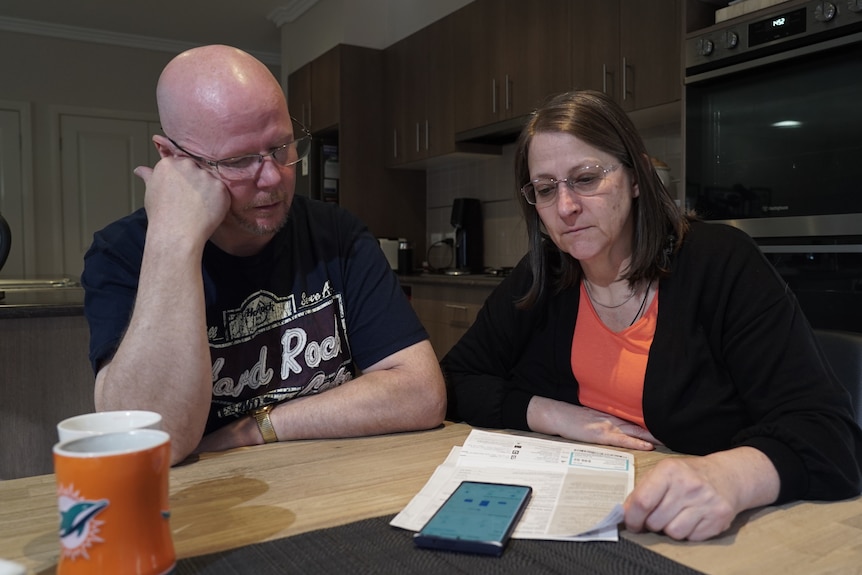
[427, 136]
[605, 78]
[507, 92]
[417, 136]
[625, 77]
[457, 313]
[395, 143]
[493, 95]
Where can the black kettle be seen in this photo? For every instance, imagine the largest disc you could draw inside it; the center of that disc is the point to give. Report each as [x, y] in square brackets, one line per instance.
[5, 241]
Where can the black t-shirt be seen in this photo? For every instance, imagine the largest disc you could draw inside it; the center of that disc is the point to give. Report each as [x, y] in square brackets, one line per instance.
[295, 319]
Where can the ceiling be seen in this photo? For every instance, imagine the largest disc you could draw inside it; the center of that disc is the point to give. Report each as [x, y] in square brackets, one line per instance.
[241, 23]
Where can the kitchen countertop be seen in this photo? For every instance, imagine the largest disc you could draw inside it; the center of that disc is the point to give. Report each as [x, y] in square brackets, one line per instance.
[41, 302]
[69, 300]
[460, 280]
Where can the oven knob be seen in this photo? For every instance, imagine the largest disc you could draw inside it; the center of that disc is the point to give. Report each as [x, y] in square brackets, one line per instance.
[731, 39]
[705, 47]
[854, 5]
[825, 11]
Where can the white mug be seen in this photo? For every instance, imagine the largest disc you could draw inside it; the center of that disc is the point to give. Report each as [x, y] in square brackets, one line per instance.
[11, 568]
[101, 422]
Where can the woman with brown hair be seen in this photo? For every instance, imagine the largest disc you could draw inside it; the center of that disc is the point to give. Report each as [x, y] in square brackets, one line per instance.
[631, 324]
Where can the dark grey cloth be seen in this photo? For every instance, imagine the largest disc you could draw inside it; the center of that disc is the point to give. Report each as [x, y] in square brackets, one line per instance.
[373, 546]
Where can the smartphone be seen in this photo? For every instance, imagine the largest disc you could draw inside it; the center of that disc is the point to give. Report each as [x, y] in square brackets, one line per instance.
[478, 517]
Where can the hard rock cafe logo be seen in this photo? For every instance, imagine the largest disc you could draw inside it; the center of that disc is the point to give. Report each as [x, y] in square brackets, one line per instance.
[79, 528]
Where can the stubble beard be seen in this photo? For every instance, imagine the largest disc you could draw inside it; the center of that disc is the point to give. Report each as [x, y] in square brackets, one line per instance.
[253, 227]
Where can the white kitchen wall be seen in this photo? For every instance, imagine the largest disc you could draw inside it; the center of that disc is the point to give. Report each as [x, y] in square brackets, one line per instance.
[665, 143]
[50, 74]
[491, 179]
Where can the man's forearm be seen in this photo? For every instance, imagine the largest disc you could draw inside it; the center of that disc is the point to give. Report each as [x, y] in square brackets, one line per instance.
[163, 361]
[407, 395]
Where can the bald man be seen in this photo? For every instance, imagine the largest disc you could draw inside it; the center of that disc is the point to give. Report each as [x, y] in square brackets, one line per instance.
[240, 312]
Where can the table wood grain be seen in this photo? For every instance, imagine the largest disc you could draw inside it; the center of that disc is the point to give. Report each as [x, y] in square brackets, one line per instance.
[225, 500]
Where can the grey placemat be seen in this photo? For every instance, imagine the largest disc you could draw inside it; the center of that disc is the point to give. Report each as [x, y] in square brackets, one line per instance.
[373, 546]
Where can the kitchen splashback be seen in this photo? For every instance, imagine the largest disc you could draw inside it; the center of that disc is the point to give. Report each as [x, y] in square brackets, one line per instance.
[492, 180]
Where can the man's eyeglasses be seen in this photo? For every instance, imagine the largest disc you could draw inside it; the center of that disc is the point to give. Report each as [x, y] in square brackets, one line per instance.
[584, 182]
[246, 167]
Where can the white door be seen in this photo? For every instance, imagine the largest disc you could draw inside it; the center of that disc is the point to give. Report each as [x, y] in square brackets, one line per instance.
[12, 191]
[98, 186]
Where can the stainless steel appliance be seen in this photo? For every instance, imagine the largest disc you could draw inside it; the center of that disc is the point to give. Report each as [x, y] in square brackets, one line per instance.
[773, 127]
[773, 120]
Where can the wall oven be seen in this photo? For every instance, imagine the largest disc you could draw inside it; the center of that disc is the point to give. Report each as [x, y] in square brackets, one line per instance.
[773, 127]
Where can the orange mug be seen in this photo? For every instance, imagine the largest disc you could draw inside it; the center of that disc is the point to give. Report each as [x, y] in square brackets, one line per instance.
[112, 493]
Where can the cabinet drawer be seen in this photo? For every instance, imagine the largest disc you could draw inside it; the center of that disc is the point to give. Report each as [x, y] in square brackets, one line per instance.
[447, 311]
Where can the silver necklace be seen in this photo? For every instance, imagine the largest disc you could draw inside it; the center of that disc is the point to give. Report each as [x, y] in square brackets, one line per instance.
[592, 299]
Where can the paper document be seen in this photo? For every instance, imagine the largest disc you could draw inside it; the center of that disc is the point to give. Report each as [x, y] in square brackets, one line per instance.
[578, 489]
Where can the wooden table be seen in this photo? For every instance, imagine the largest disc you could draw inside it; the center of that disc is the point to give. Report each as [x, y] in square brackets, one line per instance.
[235, 498]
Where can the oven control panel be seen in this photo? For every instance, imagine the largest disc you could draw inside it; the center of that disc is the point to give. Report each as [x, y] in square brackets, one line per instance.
[782, 28]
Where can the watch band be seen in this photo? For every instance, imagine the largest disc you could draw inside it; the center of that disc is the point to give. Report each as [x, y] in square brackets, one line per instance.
[264, 423]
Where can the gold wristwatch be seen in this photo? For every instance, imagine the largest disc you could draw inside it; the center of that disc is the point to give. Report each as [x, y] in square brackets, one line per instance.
[264, 423]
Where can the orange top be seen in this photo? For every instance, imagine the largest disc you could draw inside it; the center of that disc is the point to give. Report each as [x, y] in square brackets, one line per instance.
[610, 367]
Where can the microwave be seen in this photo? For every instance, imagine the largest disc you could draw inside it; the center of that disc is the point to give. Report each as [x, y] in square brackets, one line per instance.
[773, 122]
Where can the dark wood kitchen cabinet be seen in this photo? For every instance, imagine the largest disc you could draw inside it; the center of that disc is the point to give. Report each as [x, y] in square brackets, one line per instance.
[419, 95]
[629, 49]
[314, 91]
[299, 94]
[447, 307]
[509, 56]
[346, 107]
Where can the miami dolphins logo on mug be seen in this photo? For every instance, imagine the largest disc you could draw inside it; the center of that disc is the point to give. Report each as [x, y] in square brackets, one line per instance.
[79, 528]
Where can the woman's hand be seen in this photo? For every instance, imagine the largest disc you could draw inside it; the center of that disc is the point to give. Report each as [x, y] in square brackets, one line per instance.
[697, 498]
[580, 423]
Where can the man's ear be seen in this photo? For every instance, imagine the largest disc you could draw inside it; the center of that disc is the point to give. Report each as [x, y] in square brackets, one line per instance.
[163, 146]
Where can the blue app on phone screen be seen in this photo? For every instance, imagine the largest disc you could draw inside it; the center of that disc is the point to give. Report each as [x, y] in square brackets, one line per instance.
[478, 517]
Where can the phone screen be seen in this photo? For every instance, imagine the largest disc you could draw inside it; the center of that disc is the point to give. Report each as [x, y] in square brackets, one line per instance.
[477, 517]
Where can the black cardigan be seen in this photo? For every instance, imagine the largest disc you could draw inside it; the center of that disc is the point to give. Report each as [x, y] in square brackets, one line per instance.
[733, 362]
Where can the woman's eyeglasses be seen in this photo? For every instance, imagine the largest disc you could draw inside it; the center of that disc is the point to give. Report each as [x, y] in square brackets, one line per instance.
[585, 181]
